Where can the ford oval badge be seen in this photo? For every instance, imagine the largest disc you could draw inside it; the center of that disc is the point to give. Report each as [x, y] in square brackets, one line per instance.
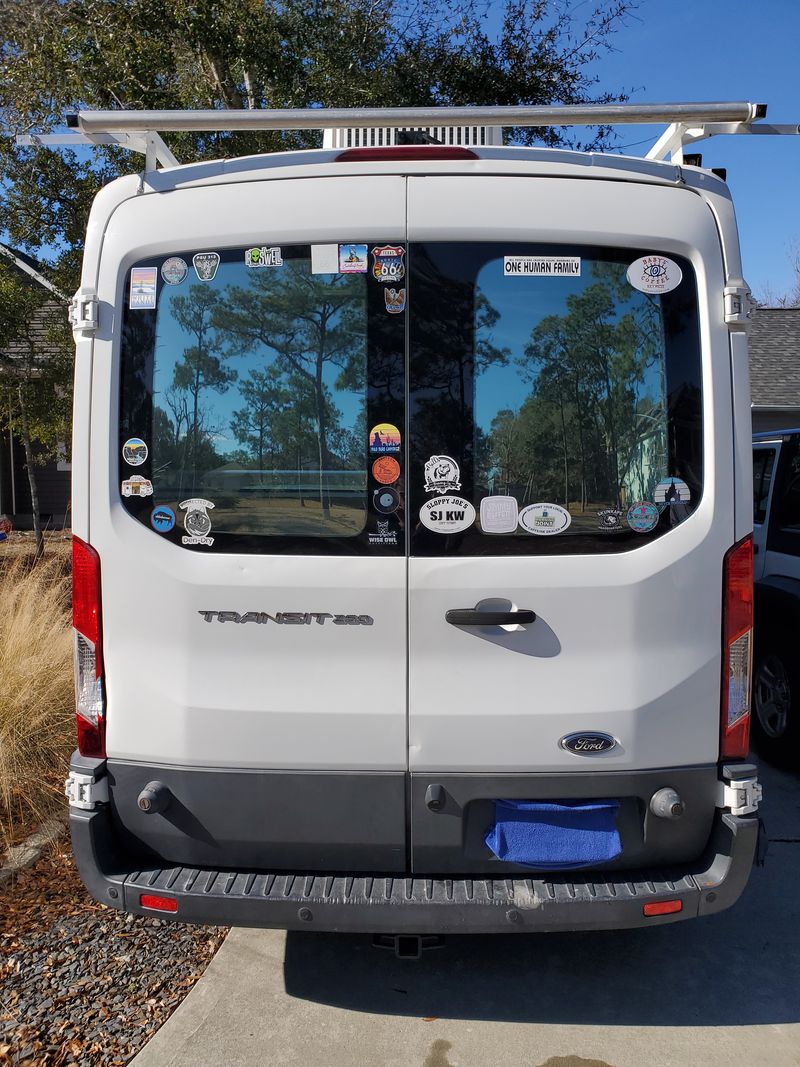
[587, 744]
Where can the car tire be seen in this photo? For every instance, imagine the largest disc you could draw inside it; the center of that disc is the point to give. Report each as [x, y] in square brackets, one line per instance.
[776, 704]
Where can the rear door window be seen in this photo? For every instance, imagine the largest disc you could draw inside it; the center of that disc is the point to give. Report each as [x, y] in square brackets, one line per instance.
[262, 400]
[555, 404]
[763, 465]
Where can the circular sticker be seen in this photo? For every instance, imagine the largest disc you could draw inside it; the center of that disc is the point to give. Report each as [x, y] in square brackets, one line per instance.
[162, 518]
[174, 270]
[385, 500]
[385, 437]
[447, 514]
[672, 491]
[609, 520]
[386, 470]
[134, 452]
[545, 519]
[643, 516]
[654, 274]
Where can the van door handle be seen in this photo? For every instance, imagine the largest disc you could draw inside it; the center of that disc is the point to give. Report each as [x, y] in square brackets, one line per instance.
[471, 617]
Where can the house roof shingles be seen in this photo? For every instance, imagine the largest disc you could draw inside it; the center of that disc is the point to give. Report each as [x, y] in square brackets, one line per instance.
[774, 348]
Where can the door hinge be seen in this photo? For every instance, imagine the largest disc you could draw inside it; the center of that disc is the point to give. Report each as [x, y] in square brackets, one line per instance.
[83, 312]
[742, 796]
[84, 791]
[738, 305]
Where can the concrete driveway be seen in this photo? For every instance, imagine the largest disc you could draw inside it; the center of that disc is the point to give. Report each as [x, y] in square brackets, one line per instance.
[712, 992]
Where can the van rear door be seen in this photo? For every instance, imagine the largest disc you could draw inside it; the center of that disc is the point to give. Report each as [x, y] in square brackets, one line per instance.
[246, 503]
[570, 458]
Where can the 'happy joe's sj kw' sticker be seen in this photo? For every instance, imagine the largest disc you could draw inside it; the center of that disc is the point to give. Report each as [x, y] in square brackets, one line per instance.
[654, 274]
[143, 287]
[384, 437]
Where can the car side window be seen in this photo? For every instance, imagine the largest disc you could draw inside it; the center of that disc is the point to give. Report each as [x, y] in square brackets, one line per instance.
[788, 511]
[763, 466]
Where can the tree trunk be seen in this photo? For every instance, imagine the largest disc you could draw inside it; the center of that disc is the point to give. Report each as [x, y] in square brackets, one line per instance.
[26, 444]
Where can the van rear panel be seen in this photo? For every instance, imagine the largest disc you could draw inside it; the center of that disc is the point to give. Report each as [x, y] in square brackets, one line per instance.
[338, 423]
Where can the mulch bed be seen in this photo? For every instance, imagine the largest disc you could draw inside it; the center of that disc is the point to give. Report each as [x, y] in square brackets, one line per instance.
[81, 983]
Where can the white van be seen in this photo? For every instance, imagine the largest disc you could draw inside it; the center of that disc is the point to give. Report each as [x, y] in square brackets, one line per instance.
[413, 543]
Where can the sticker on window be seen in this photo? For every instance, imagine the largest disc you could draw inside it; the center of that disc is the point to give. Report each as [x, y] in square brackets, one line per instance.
[174, 270]
[387, 263]
[386, 500]
[447, 514]
[643, 516]
[143, 287]
[386, 470]
[205, 265]
[672, 491]
[441, 475]
[395, 300]
[136, 485]
[654, 274]
[325, 259]
[499, 514]
[162, 518]
[134, 451]
[609, 520]
[541, 266]
[385, 437]
[384, 534]
[263, 257]
[544, 519]
[196, 521]
[353, 259]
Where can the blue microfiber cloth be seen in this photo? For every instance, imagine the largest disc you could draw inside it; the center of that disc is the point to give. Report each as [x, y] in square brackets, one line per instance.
[572, 833]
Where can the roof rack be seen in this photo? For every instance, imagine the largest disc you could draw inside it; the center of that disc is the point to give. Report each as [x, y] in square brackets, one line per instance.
[140, 130]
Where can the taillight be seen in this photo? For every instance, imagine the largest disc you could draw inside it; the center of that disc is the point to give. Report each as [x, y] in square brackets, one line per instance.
[87, 630]
[737, 649]
[393, 153]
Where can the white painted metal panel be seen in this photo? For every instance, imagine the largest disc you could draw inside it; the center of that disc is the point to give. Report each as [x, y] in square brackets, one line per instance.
[184, 691]
[628, 643]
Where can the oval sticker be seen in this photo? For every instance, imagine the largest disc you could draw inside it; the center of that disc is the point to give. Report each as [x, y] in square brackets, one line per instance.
[544, 519]
[654, 275]
[447, 514]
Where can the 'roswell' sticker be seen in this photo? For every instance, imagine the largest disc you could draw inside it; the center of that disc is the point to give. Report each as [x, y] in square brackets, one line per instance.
[654, 274]
[196, 521]
[441, 475]
[499, 514]
[143, 287]
[395, 300]
[544, 519]
[263, 257]
[447, 514]
[205, 265]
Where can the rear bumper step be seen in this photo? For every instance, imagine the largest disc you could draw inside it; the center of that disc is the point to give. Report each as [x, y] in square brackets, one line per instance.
[390, 904]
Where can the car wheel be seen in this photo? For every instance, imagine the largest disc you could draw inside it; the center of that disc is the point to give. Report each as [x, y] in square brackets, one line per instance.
[776, 705]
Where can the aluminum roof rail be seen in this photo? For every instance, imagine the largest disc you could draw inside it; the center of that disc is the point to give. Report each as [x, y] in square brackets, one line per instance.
[140, 130]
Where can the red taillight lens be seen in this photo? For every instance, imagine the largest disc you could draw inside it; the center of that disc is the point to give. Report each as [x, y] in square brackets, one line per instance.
[662, 907]
[87, 629]
[737, 650]
[147, 900]
[397, 153]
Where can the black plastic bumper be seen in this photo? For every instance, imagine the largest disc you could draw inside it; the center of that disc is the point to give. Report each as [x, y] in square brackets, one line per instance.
[390, 904]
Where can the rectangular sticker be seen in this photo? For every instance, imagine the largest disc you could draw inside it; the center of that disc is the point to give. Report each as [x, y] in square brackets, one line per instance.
[541, 266]
[143, 287]
[324, 259]
[353, 259]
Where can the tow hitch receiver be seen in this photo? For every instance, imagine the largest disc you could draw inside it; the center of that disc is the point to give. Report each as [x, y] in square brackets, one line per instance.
[408, 946]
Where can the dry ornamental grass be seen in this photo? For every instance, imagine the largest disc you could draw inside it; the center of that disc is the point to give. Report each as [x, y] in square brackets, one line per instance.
[36, 692]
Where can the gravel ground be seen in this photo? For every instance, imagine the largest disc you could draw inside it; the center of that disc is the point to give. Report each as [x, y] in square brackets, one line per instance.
[81, 983]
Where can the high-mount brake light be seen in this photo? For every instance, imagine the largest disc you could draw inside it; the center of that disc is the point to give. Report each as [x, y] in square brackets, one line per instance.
[90, 704]
[394, 153]
[737, 649]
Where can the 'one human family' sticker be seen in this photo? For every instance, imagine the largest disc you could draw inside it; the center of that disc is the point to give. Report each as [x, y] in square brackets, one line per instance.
[541, 266]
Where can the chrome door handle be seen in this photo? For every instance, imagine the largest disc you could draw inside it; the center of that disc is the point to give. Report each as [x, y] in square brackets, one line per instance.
[471, 617]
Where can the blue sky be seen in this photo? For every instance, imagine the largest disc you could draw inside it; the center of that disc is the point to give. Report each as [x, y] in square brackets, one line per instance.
[698, 50]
